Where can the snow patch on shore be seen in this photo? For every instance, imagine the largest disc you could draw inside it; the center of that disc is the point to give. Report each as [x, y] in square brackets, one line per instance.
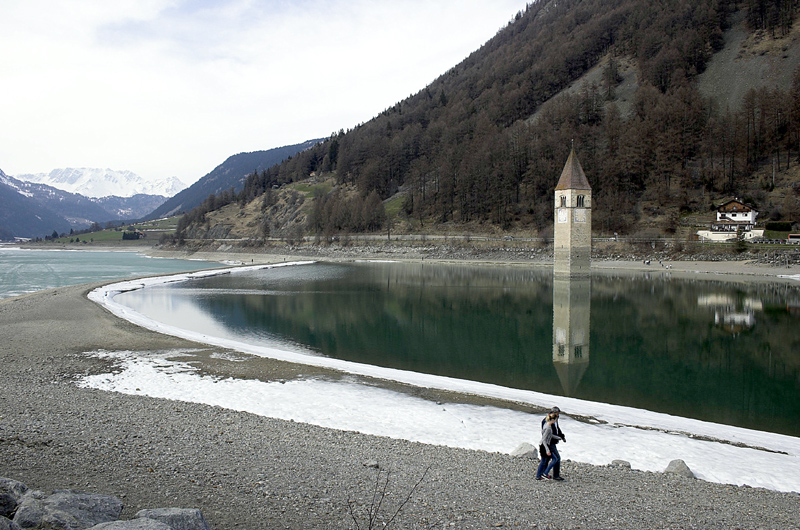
[724, 454]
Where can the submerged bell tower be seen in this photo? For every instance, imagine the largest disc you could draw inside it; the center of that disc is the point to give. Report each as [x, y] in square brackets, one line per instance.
[572, 281]
[572, 234]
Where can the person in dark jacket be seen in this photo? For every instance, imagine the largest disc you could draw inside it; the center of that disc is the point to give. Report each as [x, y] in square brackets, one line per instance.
[547, 444]
[557, 432]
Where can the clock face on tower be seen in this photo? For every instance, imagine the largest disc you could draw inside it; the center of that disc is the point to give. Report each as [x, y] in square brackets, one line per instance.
[562, 215]
[580, 215]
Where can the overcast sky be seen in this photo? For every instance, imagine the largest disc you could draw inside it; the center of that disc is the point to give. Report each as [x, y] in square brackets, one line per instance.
[172, 88]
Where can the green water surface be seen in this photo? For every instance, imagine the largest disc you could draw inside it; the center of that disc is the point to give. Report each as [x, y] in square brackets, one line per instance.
[727, 352]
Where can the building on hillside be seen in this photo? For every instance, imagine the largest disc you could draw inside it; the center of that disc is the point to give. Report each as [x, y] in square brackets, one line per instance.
[572, 233]
[735, 216]
[734, 219]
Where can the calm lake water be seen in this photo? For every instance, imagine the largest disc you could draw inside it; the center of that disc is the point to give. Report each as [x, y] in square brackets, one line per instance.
[727, 352]
[25, 271]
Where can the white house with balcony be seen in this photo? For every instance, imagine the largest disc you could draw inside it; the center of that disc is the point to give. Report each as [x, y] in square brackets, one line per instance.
[734, 219]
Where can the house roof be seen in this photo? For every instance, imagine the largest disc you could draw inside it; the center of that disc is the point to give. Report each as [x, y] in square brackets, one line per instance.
[733, 205]
[573, 177]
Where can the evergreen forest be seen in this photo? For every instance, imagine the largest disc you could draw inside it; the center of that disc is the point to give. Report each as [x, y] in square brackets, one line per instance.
[484, 144]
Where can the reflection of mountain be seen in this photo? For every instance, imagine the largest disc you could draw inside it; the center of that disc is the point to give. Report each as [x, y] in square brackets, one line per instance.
[571, 310]
[663, 315]
[470, 322]
[652, 345]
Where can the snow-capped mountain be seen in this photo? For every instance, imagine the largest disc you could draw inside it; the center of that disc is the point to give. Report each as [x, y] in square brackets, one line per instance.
[22, 216]
[93, 182]
[30, 209]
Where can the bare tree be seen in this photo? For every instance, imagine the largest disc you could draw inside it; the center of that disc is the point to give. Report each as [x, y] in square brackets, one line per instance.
[379, 493]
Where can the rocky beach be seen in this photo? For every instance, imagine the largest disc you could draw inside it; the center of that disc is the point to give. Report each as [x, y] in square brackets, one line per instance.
[248, 471]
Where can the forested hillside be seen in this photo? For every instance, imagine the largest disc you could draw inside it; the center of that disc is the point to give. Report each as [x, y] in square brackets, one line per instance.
[228, 178]
[465, 149]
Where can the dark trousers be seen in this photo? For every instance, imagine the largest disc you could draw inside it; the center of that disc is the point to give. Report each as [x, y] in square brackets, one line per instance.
[545, 459]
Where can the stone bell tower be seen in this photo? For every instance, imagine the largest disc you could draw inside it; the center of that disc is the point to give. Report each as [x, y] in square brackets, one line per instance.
[572, 242]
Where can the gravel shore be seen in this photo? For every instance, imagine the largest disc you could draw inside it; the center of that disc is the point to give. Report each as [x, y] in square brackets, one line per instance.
[767, 264]
[252, 472]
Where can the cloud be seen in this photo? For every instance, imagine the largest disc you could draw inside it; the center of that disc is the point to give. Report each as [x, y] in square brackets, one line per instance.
[174, 87]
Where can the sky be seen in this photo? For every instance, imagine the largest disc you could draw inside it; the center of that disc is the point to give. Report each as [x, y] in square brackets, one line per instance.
[714, 452]
[169, 88]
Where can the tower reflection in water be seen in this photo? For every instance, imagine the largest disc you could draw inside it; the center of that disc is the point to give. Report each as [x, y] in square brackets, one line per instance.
[571, 312]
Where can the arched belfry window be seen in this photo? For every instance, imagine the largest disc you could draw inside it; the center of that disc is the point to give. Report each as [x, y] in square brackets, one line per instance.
[580, 201]
[563, 201]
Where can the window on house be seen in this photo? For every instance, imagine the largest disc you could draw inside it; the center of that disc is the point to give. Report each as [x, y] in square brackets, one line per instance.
[580, 201]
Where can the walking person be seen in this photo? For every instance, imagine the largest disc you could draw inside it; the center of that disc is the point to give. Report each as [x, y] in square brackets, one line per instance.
[555, 411]
[546, 444]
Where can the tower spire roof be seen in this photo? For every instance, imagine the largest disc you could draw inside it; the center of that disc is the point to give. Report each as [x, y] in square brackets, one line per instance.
[573, 177]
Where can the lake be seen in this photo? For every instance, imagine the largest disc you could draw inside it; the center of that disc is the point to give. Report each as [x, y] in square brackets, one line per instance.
[725, 352]
[26, 271]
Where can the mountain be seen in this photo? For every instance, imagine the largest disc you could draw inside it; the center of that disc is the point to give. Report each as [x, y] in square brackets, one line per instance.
[22, 216]
[128, 208]
[92, 182]
[229, 175]
[35, 210]
[670, 105]
[35, 205]
[748, 61]
[78, 210]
